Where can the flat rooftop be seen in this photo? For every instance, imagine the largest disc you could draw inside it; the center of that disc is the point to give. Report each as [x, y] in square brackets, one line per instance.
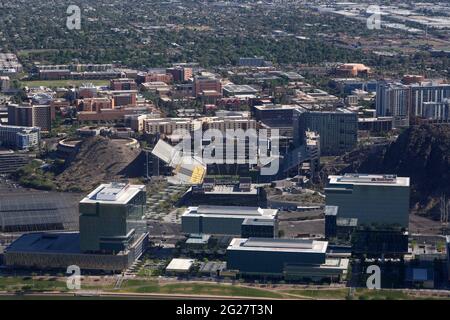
[236, 88]
[369, 179]
[198, 239]
[258, 222]
[55, 243]
[19, 128]
[279, 245]
[336, 264]
[230, 212]
[292, 75]
[277, 107]
[119, 193]
[47, 242]
[180, 265]
[337, 111]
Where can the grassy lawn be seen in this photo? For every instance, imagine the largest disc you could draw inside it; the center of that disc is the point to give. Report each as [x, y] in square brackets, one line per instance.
[97, 285]
[140, 286]
[28, 284]
[63, 83]
[338, 294]
[12, 284]
[147, 272]
[359, 294]
[366, 294]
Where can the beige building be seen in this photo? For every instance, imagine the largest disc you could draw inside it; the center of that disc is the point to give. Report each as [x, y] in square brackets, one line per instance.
[168, 126]
[229, 123]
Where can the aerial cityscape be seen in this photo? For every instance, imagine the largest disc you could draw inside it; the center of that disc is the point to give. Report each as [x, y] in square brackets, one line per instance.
[217, 150]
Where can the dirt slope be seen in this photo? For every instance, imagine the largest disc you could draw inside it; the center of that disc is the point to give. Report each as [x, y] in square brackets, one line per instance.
[98, 160]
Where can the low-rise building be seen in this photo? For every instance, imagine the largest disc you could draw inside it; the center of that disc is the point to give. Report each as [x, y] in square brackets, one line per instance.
[259, 228]
[94, 104]
[168, 126]
[12, 161]
[87, 90]
[231, 90]
[275, 114]
[222, 220]
[123, 84]
[180, 74]
[19, 137]
[113, 115]
[136, 121]
[177, 266]
[375, 125]
[352, 70]
[58, 250]
[215, 193]
[284, 258]
[229, 122]
[252, 62]
[158, 87]
[206, 83]
[9, 64]
[154, 77]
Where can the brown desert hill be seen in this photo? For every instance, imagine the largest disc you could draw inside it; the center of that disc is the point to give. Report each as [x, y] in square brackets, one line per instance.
[420, 152]
[99, 160]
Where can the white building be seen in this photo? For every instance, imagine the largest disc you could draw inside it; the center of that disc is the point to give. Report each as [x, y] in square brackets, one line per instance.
[180, 265]
[436, 110]
[19, 137]
[394, 99]
[425, 93]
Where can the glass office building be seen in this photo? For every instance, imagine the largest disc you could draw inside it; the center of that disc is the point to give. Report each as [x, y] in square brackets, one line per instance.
[110, 218]
[373, 199]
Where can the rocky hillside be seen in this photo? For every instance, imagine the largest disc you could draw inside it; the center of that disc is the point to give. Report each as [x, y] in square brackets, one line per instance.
[420, 152]
[98, 160]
